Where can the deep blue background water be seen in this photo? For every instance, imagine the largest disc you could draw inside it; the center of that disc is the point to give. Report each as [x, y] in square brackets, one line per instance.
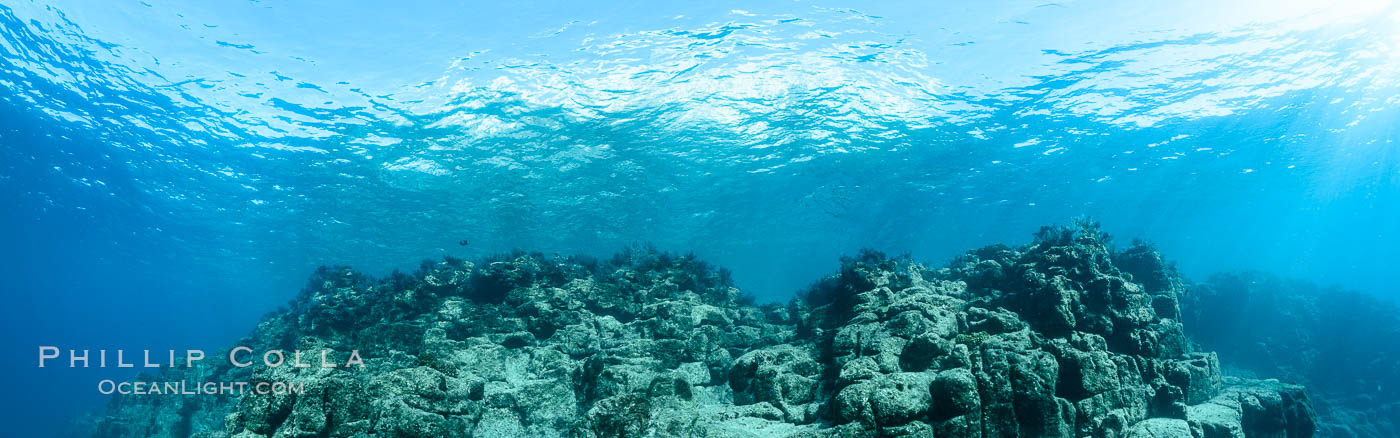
[171, 171]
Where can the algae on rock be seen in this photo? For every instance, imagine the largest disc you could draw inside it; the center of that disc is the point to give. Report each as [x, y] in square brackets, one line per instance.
[1050, 339]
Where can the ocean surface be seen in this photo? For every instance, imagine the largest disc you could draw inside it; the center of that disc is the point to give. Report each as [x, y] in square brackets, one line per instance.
[170, 171]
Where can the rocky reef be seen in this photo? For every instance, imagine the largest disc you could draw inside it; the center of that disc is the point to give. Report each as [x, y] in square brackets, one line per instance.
[1344, 345]
[1062, 337]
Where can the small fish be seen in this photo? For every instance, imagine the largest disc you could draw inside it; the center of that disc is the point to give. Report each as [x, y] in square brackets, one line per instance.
[464, 242]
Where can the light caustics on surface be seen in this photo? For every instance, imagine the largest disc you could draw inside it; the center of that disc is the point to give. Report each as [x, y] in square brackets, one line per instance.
[239, 130]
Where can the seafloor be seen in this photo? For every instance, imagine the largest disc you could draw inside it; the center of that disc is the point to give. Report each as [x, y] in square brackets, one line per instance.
[1062, 337]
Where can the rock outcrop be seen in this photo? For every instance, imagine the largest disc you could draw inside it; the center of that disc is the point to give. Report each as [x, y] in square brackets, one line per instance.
[1062, 337]
[1344, 345]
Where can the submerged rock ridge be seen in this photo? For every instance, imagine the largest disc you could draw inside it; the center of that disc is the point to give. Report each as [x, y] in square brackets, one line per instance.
[1062, 337]
[1344, 345]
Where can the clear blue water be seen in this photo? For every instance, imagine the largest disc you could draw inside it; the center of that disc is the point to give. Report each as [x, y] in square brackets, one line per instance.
[170, 171]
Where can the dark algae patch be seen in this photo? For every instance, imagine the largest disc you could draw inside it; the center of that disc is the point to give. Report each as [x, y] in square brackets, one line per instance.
[1061, 337]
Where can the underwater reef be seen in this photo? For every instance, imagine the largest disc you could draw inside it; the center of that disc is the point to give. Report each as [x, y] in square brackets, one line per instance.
[1343, 345]
[1061, 337]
